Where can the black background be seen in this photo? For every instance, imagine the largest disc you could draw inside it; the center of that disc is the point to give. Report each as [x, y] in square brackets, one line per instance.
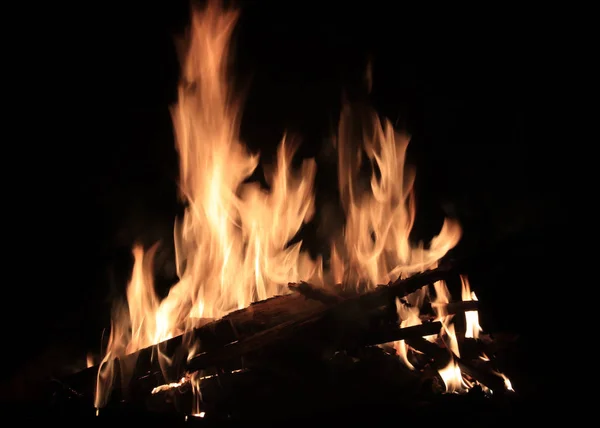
[96, 169]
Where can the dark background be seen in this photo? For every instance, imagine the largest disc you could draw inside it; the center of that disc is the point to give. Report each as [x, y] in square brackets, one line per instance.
[96, 167]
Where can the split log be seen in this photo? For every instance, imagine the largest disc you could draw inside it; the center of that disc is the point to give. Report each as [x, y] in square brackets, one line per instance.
[285, 331]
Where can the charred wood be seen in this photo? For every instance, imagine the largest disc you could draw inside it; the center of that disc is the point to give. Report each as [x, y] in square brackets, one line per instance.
[342, 379]
[288, 330]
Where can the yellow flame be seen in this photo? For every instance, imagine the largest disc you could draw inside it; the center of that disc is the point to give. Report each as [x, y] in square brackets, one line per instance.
[452, 377]
[473, 328]
[89, 360]
[197, 394]
[507, 382]
[380, 208]
[409, 316]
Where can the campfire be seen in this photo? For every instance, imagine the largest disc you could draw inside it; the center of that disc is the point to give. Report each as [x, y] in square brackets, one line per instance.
[254, 317]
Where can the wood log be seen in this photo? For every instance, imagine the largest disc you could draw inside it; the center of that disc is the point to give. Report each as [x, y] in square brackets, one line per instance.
[287, 330]
[365, 303]
[258, 341]
[342, 380]
[330, 296]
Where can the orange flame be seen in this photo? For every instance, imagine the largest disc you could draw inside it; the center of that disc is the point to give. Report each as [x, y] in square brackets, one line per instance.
[380, 212]
[473, 328]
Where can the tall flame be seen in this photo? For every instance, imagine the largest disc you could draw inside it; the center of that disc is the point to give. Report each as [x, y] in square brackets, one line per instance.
[380, 208]
[473, 328]
[232, 244]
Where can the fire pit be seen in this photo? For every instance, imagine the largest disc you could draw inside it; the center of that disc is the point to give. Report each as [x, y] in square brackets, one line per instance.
[256, 328]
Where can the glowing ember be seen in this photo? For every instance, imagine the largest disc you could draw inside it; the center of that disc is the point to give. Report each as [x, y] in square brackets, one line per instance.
[232, 244]
[196, 415]
[170, 386]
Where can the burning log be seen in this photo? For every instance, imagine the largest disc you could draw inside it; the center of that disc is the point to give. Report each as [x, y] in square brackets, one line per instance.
[254, 229]
[259, 341]
[291, 340]
[305, 314]
[289, 329]
[341, 380]
[401, 288]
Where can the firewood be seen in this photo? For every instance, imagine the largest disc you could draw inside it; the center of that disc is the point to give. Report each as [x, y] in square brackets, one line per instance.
[365, 302]
[340, 380]
[255, 342]
[384, 294]
[289, 329]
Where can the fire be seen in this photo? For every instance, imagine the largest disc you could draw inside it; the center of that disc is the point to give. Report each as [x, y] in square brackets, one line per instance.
[472, 317]
[452, 377]
[409, 314]
[380, 208]
[232, 242]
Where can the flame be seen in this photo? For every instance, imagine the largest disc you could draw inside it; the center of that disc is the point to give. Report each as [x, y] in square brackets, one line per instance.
[453, 378]
[507, 382]
[89, 360]
[380, 206]
[197, 393]
[232, 243]
[409, 316]
[473, 328]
